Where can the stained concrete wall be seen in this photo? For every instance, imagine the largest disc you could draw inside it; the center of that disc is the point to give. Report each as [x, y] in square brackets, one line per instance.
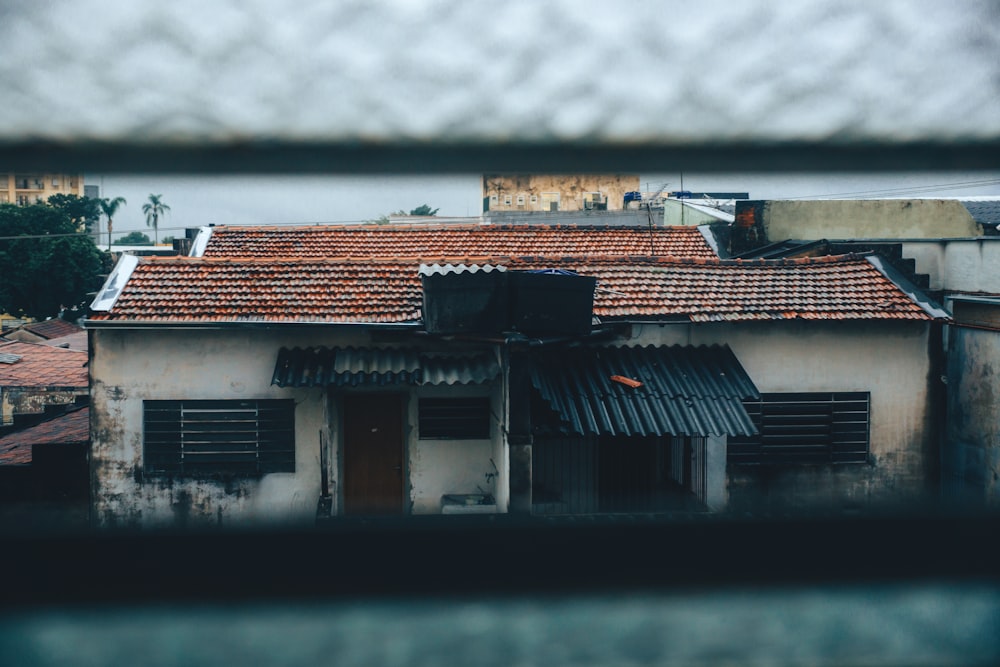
[32, 400]
[971, 452]
[129, 367]
[890, 360]
[867, 219]
[438, 467]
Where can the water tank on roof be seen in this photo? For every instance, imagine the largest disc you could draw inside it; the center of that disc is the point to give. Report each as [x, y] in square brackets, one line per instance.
[551, 302]
[464, 301]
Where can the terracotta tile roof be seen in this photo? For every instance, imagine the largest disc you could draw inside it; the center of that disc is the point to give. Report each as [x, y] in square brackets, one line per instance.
[43, 366]
[75, 341]
[389, 291]
[393, 241]
[54, 328]
[68, 429]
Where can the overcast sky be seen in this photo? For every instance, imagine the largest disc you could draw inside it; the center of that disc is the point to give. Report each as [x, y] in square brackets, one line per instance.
[255, 200]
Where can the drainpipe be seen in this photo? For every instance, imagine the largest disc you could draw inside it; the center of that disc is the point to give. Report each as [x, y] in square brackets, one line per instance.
[324, 508]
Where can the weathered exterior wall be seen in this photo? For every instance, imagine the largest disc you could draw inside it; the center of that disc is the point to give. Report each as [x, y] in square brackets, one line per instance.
[971, 452]
[889, 360]
[867, 219]
[716, 491]
[439, 467]
[966, 265]
[570, 187]
[129, 367]
[616, 218]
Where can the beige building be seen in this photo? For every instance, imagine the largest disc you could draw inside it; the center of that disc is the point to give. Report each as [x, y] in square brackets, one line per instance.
[538, 192]
[32, 188]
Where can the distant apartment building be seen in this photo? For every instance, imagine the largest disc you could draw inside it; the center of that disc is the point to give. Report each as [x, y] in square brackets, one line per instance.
[536, 192]
[33, 188]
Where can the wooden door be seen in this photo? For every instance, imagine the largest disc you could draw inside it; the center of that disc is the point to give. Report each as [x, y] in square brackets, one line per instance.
[373, 454]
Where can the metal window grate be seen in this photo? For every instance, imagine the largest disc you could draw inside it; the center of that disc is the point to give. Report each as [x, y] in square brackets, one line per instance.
[191, 438]
[811, 428]
[454, 418]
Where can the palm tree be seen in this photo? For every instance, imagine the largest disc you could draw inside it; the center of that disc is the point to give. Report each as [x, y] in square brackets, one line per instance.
[153, 210]
[109, 207]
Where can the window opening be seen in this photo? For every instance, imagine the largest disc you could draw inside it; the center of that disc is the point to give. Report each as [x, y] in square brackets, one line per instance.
[218, 436]
[454, 418]
[807, 428]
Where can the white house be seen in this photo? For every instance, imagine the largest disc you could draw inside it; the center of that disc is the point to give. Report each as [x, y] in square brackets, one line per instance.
[286, 372]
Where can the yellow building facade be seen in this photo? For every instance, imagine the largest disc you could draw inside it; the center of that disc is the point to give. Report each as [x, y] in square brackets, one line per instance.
[34, 188]
[573, 192]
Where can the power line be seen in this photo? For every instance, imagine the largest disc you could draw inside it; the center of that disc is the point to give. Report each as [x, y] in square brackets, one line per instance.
[125, 232]
[910, 190]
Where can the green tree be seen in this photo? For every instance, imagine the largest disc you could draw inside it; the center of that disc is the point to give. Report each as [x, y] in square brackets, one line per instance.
[134, 238]
[54, 265]
[109, 207]
[154, 210]
[386, 218]
[83, 211]
[424, 209]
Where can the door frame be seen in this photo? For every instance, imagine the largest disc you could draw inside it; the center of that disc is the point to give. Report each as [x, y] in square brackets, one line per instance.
[339, 400]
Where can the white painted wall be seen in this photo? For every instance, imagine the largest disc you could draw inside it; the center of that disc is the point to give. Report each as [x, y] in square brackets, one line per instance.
[677, 212]
[960, 265]
[439, 467]
[129, 367]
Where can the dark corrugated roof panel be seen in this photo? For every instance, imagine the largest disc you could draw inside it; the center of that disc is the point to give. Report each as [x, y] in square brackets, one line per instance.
[684, 391]
[353, 367]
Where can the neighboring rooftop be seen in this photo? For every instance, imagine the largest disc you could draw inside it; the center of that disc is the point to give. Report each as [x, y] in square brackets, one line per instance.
[41, 365]
[74, 341]
[196, 290]
[37, 332]
[392, 241]
[985, 212]
[70, 428]
[54, 328]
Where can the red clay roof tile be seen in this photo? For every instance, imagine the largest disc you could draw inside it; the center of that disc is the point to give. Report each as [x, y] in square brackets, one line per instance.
[43, 366]
[393, 241]
[54, 328]
[68, 429]
[389, 291]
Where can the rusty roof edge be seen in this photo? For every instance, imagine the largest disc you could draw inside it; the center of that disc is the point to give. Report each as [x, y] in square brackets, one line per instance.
[496, 258]
[928, 305]
[415, 228]
[241, 324]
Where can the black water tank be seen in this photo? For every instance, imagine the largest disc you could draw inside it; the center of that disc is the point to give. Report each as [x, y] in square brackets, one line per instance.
[465, 302]
[552, 303]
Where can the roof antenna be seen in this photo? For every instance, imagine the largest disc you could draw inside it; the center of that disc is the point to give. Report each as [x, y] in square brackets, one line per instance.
[649, 214]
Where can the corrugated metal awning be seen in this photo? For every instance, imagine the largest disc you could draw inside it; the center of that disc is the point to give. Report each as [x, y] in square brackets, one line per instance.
[677, 390]
[353, 367]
